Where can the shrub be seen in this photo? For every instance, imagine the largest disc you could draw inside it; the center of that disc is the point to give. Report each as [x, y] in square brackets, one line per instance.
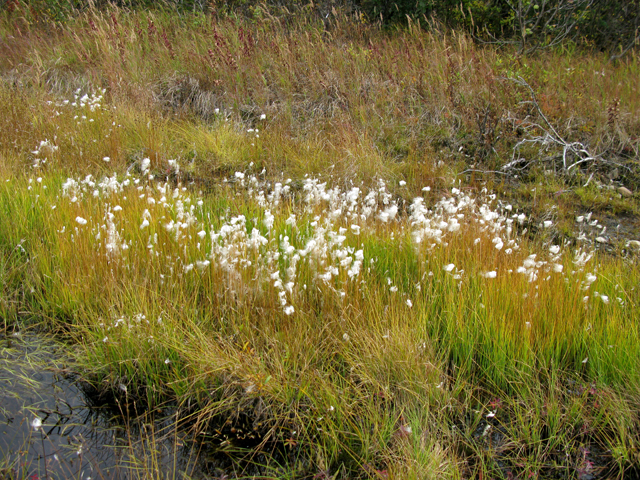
[613, 26]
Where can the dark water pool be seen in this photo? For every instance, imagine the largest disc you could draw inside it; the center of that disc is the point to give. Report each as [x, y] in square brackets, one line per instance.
[51, 427]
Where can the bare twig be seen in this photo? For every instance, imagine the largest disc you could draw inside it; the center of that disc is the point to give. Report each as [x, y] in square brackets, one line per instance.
[486, 172]
[632, 44]
[573, 153]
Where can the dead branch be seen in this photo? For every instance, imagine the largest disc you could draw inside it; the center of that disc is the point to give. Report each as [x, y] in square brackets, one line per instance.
[573, 153]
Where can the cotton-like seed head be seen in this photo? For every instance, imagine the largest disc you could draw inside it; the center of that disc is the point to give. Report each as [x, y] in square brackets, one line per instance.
[145, 165]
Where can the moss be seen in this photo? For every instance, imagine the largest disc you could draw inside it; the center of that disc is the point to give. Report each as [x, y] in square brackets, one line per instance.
[605, 200]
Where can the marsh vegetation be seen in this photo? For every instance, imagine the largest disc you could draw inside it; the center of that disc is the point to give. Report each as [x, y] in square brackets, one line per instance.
[331, 249]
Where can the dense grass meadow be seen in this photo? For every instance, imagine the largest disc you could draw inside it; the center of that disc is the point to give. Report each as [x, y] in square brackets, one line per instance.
[338, 250]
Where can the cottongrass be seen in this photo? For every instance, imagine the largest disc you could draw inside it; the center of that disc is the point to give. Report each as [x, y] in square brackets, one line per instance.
[265, 256]
[329, 303]
[325, 239]
[195, 291]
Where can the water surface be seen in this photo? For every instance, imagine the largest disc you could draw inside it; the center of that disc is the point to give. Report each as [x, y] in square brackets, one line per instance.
[52, 426]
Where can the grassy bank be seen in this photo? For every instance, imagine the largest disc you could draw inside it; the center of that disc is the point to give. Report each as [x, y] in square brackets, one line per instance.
[307, 238]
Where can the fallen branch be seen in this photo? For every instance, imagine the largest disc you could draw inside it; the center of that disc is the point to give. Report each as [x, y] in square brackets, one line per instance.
[573, 153]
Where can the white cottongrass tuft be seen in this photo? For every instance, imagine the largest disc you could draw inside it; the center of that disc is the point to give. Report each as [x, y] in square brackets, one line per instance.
[36, 423]
[491, 274]
[449, 267]
[268, 219]
[590, 278]
[201, 265]
[145, 165]
[81, 220]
